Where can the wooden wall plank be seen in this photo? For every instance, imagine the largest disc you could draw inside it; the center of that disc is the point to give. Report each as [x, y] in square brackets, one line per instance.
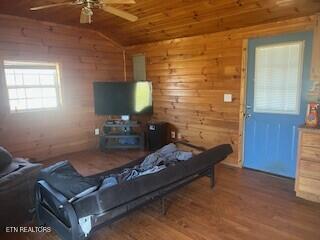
[315, 64]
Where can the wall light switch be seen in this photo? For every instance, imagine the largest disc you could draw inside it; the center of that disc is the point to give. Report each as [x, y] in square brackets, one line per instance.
[97, 131]
[227, 97]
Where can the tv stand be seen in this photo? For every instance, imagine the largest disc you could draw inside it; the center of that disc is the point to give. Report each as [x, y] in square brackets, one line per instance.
[119, 134]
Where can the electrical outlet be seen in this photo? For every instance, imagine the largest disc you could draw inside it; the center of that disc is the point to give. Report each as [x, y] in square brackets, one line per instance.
[97, 131]
[173, 134]
[179, 136]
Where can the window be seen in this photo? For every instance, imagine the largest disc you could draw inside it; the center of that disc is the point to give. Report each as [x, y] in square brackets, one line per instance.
[32, 86]
[278, 77]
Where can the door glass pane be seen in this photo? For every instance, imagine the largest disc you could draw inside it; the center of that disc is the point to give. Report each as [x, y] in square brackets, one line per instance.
[278, 74]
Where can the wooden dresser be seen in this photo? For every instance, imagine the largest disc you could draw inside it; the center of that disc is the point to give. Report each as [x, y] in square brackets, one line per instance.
[307, 183]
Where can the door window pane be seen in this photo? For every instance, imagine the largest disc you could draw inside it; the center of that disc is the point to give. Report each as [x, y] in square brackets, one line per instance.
[278, 74]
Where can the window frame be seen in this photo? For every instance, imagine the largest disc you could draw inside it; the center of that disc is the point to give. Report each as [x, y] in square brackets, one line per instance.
[300, 76]
[57, 86]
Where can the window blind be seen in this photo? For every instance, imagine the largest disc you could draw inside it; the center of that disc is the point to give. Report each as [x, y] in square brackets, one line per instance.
[278, 74]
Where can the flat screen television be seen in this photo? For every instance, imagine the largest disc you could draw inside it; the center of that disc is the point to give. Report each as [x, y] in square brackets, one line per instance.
[123, 98]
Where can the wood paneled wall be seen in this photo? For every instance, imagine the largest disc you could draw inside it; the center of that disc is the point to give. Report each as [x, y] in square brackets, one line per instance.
[190, 76]
[84, 56]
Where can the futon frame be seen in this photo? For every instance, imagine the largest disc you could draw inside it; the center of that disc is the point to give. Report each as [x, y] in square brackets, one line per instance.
[51, 205]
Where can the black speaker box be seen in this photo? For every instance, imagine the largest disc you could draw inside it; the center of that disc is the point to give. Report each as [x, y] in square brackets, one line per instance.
[157, 135]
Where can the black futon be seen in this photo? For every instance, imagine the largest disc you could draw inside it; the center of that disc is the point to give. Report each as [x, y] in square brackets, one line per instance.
[75, 216]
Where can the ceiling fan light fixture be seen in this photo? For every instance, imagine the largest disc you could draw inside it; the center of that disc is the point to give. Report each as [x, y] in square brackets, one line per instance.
[86, 15]
[87, 11]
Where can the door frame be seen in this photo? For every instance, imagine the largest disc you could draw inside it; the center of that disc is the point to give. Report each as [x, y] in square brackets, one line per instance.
[243, 101]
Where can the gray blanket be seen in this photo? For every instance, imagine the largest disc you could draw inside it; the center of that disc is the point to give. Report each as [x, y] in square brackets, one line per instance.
[154, 162]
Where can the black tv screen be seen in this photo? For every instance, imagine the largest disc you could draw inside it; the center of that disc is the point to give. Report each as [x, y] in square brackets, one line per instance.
[122, 98]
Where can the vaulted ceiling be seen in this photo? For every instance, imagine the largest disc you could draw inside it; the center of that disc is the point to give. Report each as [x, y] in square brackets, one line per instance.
[168, 19]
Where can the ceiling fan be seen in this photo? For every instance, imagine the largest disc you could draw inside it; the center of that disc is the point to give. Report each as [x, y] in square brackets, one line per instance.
[88, 6]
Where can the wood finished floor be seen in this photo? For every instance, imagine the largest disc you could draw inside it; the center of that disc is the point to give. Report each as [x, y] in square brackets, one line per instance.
[244, 205]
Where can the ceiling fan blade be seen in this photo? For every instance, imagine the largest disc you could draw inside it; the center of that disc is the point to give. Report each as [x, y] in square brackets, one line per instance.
[53, 5]
[86, 15]
[118, 1]
[120, 13]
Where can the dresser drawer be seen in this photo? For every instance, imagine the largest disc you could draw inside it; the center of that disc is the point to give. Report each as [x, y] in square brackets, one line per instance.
[309, 169]
[310, 153]
[309, 185]
[310, 139]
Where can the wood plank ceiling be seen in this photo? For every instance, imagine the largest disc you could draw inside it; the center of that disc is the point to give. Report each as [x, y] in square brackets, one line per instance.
[169, 19]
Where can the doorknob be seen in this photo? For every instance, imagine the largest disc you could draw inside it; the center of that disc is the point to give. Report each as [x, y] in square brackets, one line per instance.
[247, 115]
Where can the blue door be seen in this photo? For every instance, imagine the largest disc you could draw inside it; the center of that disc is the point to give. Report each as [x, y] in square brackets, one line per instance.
[276, 103]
